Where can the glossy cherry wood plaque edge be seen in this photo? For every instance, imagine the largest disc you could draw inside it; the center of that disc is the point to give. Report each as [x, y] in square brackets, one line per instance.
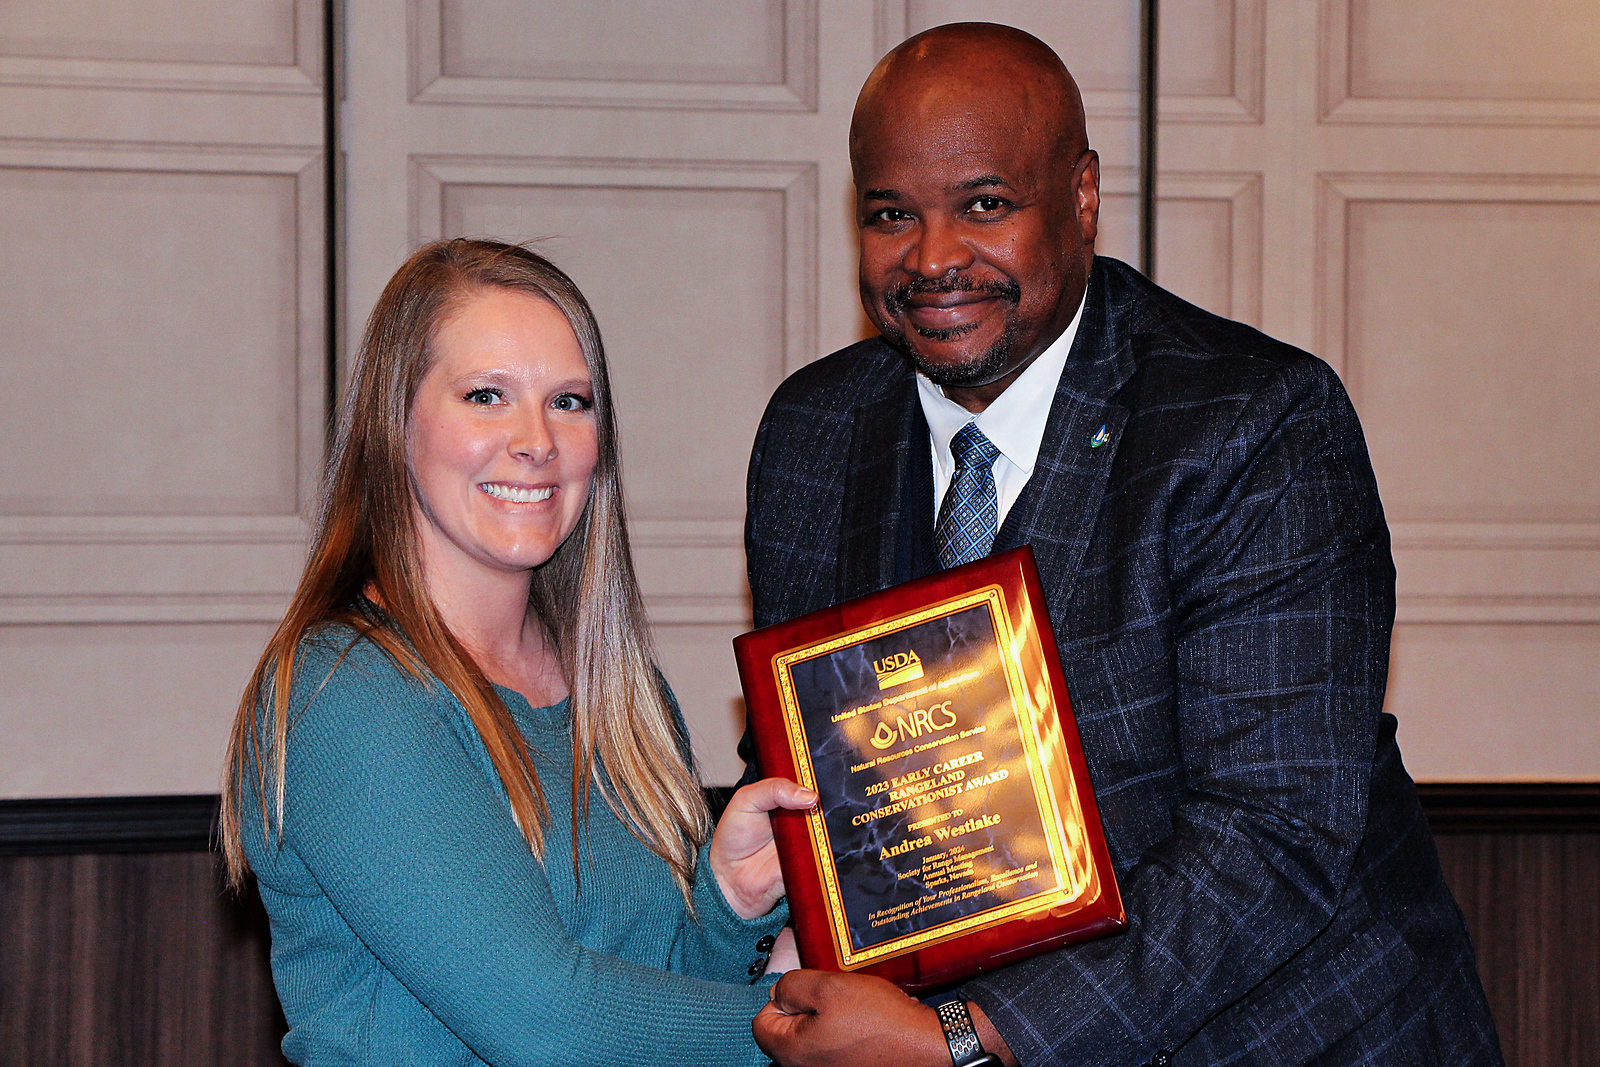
[936, 966]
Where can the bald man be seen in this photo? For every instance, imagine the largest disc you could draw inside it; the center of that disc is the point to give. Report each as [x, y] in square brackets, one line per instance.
[1217, 570]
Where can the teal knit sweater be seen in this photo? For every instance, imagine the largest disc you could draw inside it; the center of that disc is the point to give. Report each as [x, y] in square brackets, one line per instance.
[411, 924]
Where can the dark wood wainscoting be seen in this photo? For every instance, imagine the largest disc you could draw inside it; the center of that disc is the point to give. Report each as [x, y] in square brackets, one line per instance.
[130, 959]
[1524, 863]
[118, 948]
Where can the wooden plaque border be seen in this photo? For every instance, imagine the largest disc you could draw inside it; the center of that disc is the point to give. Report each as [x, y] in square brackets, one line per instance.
[942, 959]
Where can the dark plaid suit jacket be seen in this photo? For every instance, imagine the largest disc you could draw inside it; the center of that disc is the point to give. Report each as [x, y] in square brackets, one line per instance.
[1220, 584]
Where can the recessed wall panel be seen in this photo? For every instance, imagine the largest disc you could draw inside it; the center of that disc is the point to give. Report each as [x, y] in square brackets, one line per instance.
[120, 710]
[150, 352]
[1194, 251]
[1474, 49]
[1097, 39]
[1497, 702]
[688, 286]
[254, 32]
[1470, 337]
[1197, 47]
[739, 41]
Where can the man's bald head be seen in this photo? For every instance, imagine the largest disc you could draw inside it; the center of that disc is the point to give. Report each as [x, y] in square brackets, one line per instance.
[978, 202]
[988, 66]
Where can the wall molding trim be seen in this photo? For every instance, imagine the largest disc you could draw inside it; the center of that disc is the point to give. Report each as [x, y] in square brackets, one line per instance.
[432, 175]
[1343, 102]
[85, 64]
[187, 823]
[1511, 807]
[58, 825]
[791, 86]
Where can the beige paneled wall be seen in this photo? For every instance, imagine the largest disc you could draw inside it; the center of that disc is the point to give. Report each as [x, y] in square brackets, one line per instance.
[252, 46]
[1424, 180]
[252, 34]
[162, 365]
[177, 364]
[544, 41]
[1410, 189]
[1460, 61]
[121, 709]
[1503, 347]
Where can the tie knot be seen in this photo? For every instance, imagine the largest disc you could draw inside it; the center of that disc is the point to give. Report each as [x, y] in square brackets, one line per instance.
[969, 448]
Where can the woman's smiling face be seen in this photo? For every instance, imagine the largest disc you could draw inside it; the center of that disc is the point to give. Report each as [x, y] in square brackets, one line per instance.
[501, 443]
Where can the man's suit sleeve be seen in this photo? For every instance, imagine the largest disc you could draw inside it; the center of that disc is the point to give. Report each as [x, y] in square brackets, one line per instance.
[1281, 606]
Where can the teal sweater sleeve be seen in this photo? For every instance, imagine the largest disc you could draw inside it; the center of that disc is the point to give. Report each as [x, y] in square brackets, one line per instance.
[720, 945]
[398, 857]
[720, 937]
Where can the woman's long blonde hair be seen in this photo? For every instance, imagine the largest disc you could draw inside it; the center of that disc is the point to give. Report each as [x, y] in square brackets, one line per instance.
[586, 594]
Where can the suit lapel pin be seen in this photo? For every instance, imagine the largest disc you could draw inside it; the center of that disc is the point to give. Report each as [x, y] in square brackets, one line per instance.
[1101, 437]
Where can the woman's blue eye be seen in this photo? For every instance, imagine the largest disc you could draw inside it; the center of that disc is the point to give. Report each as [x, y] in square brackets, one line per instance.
[572, 402]
[483, 396]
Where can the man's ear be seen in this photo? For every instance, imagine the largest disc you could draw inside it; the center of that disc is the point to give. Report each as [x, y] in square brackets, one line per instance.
[1086, 195]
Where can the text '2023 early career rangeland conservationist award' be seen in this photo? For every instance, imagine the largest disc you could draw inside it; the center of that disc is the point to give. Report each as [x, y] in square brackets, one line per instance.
[957, 830]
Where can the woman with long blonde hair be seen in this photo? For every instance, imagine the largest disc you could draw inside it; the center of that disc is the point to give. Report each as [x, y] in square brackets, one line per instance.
[464, 666]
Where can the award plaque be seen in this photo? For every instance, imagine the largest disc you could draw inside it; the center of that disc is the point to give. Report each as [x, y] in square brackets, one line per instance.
[957, 829]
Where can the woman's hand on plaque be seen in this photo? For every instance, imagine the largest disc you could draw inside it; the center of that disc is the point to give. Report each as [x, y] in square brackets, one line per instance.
[743, 856]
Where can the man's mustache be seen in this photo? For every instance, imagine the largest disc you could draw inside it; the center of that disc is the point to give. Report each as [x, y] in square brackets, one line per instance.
[895, 300]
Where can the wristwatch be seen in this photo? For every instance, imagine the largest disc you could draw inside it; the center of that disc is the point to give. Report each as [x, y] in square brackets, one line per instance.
[962, 1037]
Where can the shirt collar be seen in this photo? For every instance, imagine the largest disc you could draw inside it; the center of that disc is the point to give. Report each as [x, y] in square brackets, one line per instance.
[1015, 420]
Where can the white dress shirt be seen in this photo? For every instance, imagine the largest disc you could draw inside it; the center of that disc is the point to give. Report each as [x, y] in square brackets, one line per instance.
[1014, 422]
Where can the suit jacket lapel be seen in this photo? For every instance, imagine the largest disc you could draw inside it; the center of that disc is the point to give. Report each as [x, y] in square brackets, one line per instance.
[874, 488]
[1056, 513]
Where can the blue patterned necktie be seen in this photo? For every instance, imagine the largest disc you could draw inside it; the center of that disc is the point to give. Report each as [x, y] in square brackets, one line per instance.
[966, 525]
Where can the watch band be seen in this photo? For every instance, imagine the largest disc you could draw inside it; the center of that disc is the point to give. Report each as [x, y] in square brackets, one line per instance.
[962, 1037]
